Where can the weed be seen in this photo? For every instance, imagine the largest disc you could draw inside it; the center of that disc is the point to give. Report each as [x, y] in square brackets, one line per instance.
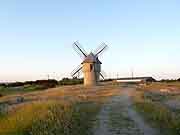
[50, 118]
[158, 114]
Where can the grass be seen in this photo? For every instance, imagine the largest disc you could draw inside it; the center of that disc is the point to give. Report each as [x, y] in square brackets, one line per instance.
[59, 111]
[156, 96]
[19, 90]
[162, 85]
[153, 91]
[50, 118]
[157, 114]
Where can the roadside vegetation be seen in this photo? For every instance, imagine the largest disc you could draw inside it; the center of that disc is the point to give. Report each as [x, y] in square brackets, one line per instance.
[50, 118]
[68, 81]
[68, 110]
[4, 90]
[150, 102]
[30, 86]
[23, 87]
[73, 110]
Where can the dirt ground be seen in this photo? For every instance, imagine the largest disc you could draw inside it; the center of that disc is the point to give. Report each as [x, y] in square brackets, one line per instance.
[117, 116]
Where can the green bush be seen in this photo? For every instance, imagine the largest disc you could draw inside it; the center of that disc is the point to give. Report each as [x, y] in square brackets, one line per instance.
[67, 81]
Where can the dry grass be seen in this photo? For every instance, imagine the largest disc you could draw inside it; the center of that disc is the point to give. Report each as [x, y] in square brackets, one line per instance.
[49, 118]
[63, 93]
[159, 115]
[64, 110]
[173, 87]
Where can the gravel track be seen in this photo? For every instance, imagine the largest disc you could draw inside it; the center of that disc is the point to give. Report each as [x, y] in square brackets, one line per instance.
[118, 117]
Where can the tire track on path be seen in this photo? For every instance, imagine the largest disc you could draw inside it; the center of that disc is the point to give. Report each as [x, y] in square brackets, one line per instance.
[118, 117]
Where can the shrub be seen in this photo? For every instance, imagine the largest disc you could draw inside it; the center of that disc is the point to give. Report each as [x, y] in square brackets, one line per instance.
[67, 81]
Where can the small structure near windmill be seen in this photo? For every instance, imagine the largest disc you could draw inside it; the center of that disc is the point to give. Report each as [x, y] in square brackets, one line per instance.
[90, 66]
[136, 80]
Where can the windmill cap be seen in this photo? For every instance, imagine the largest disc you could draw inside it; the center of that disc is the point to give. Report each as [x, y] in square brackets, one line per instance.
[91, 58]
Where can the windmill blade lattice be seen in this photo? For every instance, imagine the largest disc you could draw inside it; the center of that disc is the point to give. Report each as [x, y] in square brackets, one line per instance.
[90, 66]
[79, 49]
[78, 74]
[76, 71]
[103, 75]
[100, 49]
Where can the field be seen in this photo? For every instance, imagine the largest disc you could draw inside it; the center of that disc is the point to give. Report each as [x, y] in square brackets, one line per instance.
[108, 109]
[159, 103]
[23, 89]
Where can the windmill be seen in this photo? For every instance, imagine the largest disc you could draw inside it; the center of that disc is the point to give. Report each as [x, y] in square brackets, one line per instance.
[90, 66]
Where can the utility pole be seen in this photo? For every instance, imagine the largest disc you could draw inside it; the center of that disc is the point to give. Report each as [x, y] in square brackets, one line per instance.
[117, 75]
[132, 73]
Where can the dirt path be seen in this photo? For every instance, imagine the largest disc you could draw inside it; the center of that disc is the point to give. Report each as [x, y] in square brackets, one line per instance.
[118, 117]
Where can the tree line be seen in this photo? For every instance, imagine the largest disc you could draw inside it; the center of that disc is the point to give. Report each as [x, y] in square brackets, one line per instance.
[50, 83]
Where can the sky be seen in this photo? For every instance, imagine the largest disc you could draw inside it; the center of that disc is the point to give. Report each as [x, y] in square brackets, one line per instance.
[36, 37]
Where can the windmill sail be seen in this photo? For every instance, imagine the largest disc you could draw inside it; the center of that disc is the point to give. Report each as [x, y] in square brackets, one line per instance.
[100, 49]
[79, 49]
[91, 65]
[102, 74]
[76, 71]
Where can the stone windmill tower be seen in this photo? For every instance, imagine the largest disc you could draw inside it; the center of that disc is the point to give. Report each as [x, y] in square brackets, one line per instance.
[91, 66]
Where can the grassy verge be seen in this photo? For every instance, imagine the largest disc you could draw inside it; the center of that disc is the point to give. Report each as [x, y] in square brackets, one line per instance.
[19, 90]
[157, 114]
[50, 118]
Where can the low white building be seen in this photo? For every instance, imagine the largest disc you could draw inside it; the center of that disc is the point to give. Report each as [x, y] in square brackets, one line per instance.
[135, 80]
